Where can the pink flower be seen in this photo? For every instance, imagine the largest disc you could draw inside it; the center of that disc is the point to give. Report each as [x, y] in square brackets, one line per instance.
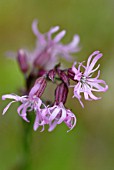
[53, 116]
[28, 104]
[48, 50]
[86, 83]
[58, 114]
[40, 119]
[31, 102]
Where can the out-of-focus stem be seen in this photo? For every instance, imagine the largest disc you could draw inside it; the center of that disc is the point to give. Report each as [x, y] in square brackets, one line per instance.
[26, 143]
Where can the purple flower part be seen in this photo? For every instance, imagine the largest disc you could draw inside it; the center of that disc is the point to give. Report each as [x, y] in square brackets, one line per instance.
[91, 63]
[39, 87]
[70, 120]
[71, 74]
[66, 51]
[34, 90]
[48, 49]
[51, 74]
[37, 33]
[59, 114]
[22, 61]
[11, 96]
[61, 93]
[86, 84]
[77, 72]
[38, 121]
[42, 118]
[28, 103]
[64, 77]
[22, 111]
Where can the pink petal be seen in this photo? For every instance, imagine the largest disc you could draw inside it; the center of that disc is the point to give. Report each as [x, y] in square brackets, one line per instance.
[36, 122]
[7, 107]
[22, 112]
[72, 46]
[95, 86]
[34, 90]
[70, 120]
[54, 29]
[74, 124]
[42, 129]
[54, 113]
[11, 96]
[51, 31]
[74, 68]
[90, 57]
[93, 97]
[40, 36]
[63, 116]
[59, 36]
[90, 67]
[77, 91]
[52, 125]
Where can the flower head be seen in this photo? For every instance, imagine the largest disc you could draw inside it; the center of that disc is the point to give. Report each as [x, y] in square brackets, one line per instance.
[27, 104]
[86, 83]
[30, 102]
[58, 114]
[48, 50]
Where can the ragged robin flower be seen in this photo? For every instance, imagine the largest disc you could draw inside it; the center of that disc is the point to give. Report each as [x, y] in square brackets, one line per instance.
[58, 113]
[85, 82]
[30, 102]
[49, 49]
[47, 52]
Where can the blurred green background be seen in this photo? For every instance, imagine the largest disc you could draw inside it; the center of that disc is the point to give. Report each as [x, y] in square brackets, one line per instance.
[90, 145]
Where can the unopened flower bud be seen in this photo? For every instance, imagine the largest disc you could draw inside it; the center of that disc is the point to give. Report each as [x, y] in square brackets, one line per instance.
[63, 77]
[61, 93]
[51, 74]
[22, 60]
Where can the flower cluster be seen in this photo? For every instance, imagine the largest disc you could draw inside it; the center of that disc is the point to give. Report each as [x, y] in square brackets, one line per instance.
[51, 115]
[40, 67]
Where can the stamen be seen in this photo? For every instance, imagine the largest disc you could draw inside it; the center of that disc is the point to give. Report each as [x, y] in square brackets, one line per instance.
[83, 79]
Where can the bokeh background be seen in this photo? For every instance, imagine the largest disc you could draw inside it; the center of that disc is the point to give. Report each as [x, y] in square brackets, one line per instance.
[90, 145]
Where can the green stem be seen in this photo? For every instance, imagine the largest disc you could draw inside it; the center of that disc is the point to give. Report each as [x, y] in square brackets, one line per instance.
[26, 144]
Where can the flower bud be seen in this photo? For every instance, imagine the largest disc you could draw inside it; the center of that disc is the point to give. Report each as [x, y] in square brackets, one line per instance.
[63, 77]
[61, 93]
[51, 74]
[22, 61]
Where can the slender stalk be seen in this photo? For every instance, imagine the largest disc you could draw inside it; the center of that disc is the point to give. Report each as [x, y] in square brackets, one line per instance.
[26, 143]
